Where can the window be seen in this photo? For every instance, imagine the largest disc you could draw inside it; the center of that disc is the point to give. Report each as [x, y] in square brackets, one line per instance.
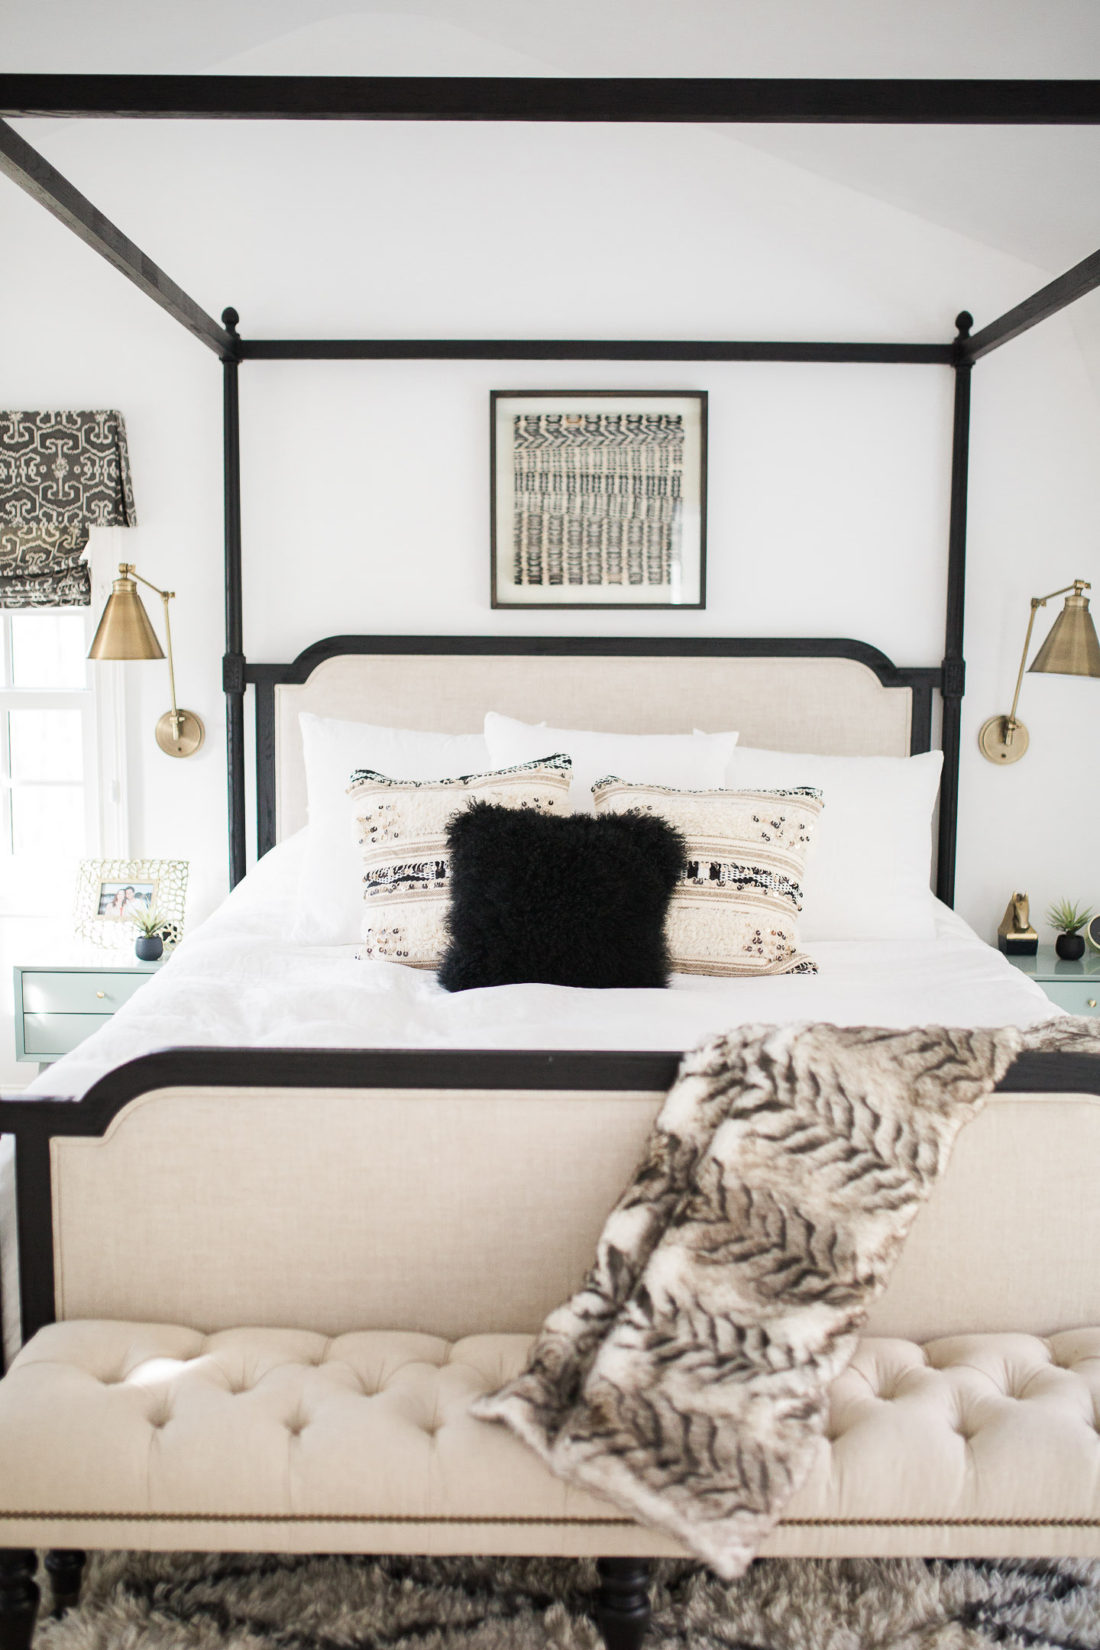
[49, 790]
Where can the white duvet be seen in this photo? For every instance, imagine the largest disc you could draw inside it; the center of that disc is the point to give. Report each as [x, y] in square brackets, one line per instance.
[235, 982]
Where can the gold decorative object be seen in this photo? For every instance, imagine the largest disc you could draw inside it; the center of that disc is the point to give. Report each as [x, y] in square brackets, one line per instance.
[1015, 936]
[125, 632]
[112, 893]
[1071, 649]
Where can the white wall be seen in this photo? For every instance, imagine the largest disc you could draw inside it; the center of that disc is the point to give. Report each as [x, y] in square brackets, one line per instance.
[366, 485]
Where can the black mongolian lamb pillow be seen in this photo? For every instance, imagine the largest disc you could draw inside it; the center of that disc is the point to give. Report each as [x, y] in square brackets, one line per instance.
[571, 900]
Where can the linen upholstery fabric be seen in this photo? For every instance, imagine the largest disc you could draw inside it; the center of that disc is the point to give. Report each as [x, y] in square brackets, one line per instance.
[328, 907]
[687, 1379]
[365, 1443]
[831, 705]
[363, 1219]
[682, 760]
[869, 866]
[735, 908]
[60, 474]
[567, 901]
[401, 829]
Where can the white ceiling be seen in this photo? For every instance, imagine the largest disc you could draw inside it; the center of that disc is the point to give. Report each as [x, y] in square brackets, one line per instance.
[1032, 193]
[1029, 38]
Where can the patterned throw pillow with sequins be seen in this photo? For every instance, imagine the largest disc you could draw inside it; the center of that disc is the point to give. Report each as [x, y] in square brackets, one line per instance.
[736, 905]
[401, 827]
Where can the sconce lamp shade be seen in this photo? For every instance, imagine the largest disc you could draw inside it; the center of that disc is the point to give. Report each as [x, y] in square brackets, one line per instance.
[1072, 648]
[124, 631]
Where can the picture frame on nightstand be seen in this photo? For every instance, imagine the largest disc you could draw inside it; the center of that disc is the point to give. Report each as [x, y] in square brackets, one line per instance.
[110, 893]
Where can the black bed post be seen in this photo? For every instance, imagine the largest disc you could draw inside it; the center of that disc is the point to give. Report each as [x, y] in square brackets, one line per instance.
[19, 1597]
[954, 668]
[233, 662]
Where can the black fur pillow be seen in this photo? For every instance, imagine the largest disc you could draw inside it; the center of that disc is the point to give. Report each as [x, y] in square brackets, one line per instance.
[571, 900]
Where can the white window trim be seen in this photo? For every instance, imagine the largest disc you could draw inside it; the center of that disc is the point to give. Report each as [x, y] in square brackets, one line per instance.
[106, 797]
[112, 824]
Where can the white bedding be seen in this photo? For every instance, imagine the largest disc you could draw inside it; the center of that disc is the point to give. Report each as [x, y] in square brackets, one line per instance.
[235, 981]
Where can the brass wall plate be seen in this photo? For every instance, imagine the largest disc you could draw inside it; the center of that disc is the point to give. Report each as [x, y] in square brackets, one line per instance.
[992, 744]
[191, 734]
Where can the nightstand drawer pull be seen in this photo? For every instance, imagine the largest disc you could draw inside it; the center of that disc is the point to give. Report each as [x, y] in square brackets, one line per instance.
[1078, 996]
[72, 991]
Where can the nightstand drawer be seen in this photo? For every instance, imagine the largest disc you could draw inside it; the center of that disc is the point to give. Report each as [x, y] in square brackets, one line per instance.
[1078, 996]
[45, 1036]
[52, 991]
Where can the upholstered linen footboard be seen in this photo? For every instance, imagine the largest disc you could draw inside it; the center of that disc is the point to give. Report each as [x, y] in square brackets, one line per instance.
[279, 1279]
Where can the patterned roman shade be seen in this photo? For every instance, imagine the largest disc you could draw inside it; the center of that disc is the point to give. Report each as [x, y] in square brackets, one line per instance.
[61, 473]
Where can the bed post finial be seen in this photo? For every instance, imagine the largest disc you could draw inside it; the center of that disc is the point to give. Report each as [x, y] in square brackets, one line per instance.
[230, 319]
[963, 321]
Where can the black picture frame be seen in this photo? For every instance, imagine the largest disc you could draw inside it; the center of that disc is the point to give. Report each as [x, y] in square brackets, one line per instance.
[669, 563]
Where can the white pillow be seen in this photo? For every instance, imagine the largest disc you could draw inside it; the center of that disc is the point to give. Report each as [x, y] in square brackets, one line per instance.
[330, 898]
[870, 862]
[683, 761]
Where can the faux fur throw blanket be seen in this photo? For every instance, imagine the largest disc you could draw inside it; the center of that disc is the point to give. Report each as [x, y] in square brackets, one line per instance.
[687, 1380]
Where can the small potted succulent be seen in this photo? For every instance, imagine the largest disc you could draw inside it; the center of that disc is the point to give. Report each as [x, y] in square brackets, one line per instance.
[149, 944]
[1069, 919]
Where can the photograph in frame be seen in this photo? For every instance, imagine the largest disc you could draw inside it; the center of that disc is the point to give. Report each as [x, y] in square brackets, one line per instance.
[112, 893]
[121, 901]
[598, 498]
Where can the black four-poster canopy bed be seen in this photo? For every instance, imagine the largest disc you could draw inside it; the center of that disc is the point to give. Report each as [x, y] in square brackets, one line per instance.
[732, 101]
[277, 97]
[963, 102]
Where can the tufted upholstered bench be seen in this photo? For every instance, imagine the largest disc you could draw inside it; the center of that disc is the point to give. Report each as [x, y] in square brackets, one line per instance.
[274, 1304]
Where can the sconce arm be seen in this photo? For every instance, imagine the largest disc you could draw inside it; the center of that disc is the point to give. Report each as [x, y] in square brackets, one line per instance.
[128, 571]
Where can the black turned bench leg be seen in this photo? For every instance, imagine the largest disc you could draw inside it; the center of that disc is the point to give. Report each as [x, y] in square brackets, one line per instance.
[18, 1598]
[65, 1568]
[622, 1603]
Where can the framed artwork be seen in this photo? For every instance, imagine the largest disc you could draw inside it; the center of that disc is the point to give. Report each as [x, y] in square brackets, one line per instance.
[110, 893]
[598, 498]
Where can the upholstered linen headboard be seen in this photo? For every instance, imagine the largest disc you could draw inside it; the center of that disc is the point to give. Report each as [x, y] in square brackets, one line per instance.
[836, 697]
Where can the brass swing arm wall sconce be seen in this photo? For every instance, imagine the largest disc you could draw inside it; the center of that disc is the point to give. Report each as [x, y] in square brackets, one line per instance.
[1071, 649]
[125, 633]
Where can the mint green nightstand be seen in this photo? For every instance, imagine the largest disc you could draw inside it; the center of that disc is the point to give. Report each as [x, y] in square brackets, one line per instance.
[1074, 986]
[56, 1007]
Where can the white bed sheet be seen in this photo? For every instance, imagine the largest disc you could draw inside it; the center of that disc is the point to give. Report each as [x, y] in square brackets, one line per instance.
[235, 981]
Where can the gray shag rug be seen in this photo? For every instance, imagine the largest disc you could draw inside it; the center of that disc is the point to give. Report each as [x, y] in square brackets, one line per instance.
[229, 1602]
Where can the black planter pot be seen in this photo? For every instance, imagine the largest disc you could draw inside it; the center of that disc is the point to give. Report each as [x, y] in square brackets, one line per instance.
[1070, 947]
[148, 947]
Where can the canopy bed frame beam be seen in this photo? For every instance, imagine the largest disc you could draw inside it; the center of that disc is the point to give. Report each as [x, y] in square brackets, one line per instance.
[1066, 289]
[586, 349]
[51, 189]
[688, 102]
